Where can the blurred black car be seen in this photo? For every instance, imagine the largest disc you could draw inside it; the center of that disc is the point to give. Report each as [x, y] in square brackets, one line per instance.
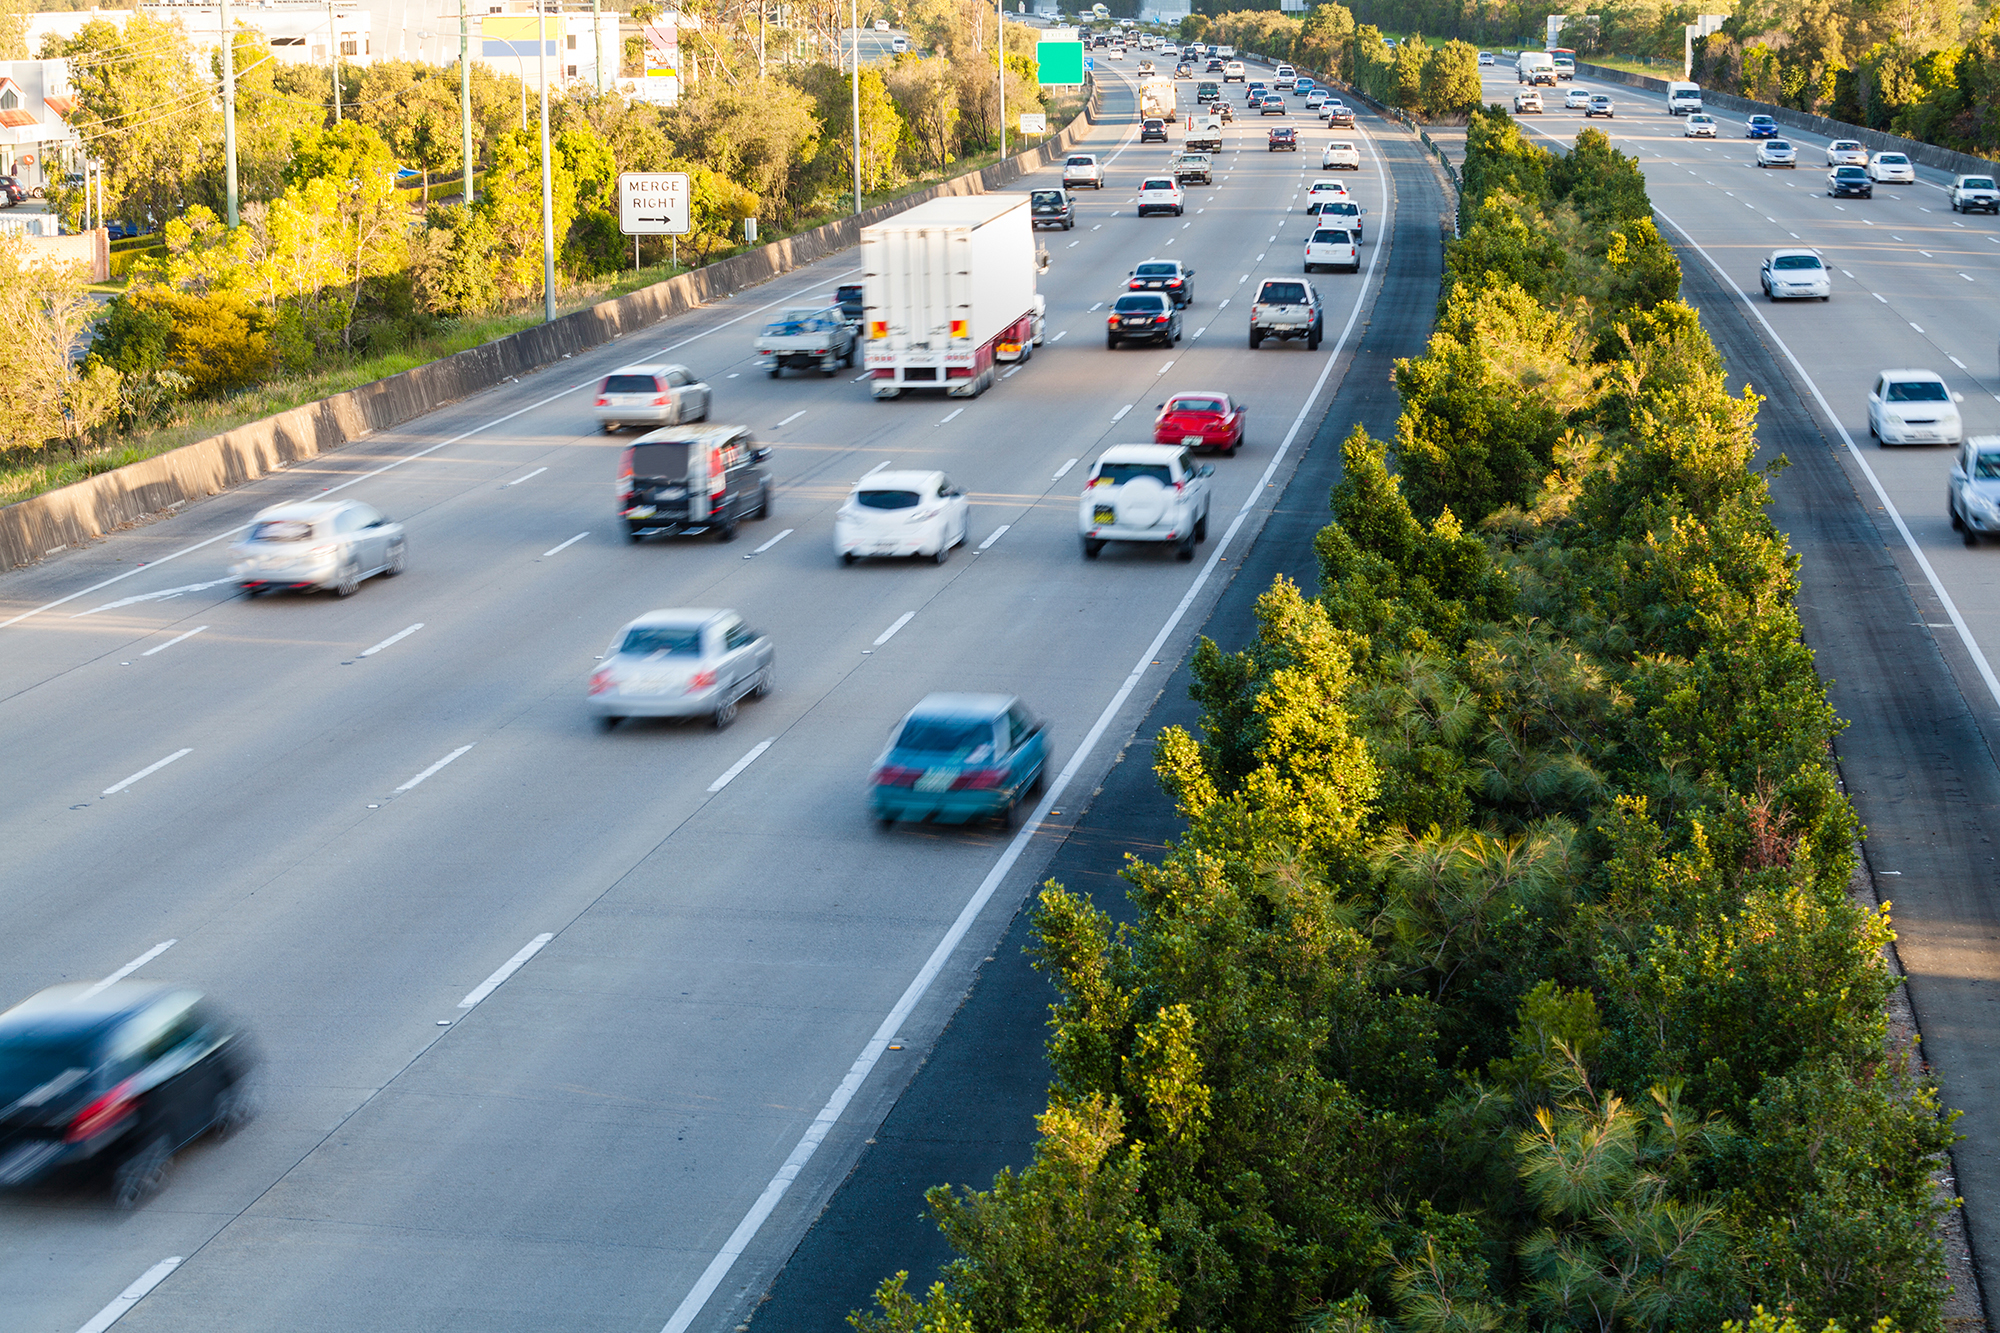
[852, 306]
[115, 1080]
[11, 192]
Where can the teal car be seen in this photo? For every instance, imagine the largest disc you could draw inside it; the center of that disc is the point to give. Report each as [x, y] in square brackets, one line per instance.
[956, 758]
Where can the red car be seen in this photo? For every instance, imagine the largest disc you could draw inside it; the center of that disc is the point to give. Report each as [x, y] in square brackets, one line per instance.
[1201, 421]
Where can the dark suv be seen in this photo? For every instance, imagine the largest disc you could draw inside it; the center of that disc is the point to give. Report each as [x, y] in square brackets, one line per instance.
[118, 1078]
[1052, 208]
[1151, 129]
[688, 479]
[853, 305]
[1284, 139]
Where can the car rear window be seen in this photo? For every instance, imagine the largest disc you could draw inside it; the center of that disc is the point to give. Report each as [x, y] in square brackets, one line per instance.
[631, 384]
[1918, 391]
[1047, 196]
[1850, 173]
[1117, 474]
[1081, 162]
[887, 499]
[1140, 303]
[969, 739]
[1196, 405]
[1342, 207]
[281, 530]
[1157, 270]
[1333, 235]
[1797, 261]
[668, 461]
[662, 641]
[1158, 183]
[1283, 293]
[40, 1071]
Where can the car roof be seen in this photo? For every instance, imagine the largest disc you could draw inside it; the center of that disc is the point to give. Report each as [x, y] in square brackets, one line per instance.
[77, 1009]
[1913, 375]
[647, 368]
[1796, 250]
[1196, 393]
[952, 704]
[302, 511]
[911, 480]
[1141, 453]
[676, 615]
[694, 434]
[1155, 259]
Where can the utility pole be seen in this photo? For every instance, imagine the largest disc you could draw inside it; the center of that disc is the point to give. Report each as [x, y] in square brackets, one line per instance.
[1000, 33]
[760, 41]
[465, 94]
[597, 41]
[548, 181]
[228, 118]
[855, 42]
[333, 50]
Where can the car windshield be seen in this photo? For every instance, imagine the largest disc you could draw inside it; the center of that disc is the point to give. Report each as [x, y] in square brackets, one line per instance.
[662, 641]
[1987, 467]
[1851, 173]
[1777, 146]
[1345, 209]
[1285, 293]
[1918, 391]
[966, 739]
[630, 384]
[1340, 148]
[886, 499]
[1161, 183]
[1117, 474]
[1157, 270]
[1052, 198]
[34, 1072]
[1334, 235]
[1796, 261]
[1978, 183]
[281, 530]
[1210, 405]
[1140, 304]
[1845, 145]
[1892, 159]
[1762, 120]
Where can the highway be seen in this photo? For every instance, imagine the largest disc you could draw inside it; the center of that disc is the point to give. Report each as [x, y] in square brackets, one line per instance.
[1903, 618]
[565, 1029]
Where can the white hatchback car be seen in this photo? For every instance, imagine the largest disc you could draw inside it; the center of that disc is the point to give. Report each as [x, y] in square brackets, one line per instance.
[1700, 125]
[1340, 155]
[1161, 194]
[651, 395]
[1914, 407]
[1796, 275]
[1145, 493]
[1325, 192]
[900, 514]
[1333, 247]
[1846, 153]
[1893, 169]
[1777, 153]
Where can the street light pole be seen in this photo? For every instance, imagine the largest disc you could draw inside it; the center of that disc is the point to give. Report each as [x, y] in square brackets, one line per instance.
[465, 95]
[1000, 33]
[333, 50]
[548, 181]
[228, 118]
[855, 43]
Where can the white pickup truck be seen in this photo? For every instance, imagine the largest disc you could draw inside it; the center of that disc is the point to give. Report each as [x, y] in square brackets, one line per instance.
[1083, 169]
[1970, 194]
[806, 339]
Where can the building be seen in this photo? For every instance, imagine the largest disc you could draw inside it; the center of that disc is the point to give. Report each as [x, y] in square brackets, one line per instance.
[298, 29]
[582, 47]
[37, 144]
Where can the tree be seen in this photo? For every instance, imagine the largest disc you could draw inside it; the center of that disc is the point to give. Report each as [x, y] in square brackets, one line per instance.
[1450, 85]
[512, 206]
[415, 109]
[149, 113]
[268, 118]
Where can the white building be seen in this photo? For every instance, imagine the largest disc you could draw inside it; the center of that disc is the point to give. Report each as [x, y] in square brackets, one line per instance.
[37, 145]
[298, 29]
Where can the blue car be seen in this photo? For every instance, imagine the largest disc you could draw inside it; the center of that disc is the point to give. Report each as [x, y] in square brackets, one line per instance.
[960, 757]
[1761, 127]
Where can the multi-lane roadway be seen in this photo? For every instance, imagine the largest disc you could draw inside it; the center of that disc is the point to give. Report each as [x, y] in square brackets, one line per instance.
[565, 1029]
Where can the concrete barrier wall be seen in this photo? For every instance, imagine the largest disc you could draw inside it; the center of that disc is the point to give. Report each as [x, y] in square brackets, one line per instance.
[72, 515]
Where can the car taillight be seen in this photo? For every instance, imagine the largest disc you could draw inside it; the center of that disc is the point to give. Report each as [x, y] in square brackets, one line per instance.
[895, 775]
[603, 402]
[1174, 283]
[979, 779]
[625, 467]
[102, 1114]
[1135, 284]
[701, 680]
[602, 679]
[1111, 319]
[662, 401]
[1159, 319]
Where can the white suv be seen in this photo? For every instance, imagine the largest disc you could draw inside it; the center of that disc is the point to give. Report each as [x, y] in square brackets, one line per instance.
[1161, 194]
[1233, 72]
[1285, 79]
[1791, 275]
[1914, 407]
[1341, 154]
[1145, 493]
[1083, 169]
[1333, 247]
[1972, 193]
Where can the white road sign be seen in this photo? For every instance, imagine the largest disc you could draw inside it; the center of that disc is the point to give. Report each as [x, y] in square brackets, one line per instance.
[653, 203]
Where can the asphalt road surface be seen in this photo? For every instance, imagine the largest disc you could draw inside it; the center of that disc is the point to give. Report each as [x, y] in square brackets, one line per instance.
[567, 1029]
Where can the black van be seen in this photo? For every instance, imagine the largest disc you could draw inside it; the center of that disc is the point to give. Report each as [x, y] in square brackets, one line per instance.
[690, 479]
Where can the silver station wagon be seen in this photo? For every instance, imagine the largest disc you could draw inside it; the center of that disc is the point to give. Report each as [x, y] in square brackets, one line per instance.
[685, 663]
[317, 544]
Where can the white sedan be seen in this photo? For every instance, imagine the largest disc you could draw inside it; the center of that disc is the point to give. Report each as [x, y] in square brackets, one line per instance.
[900, 514]
[1699, 126]
[1972, 497]
[1777, 153]
[1340, 155]
[1892, 169]
[1794, 275]
[1576, 99]
[1914, 407]
[1333, 247]
[1325, 192]
[1846, 153]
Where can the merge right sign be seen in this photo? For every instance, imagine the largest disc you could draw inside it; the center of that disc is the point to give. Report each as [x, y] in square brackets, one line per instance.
[653, 203]
[1061, 62]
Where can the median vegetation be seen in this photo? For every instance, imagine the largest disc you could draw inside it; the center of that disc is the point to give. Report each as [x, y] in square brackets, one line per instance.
[1436, 82]
[1506, 975]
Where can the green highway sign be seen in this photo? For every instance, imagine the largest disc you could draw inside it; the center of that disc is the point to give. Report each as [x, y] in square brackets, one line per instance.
[1061, 62]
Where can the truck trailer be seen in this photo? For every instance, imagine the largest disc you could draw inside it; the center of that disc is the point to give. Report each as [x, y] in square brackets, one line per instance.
[1156, 98]
[949, 289]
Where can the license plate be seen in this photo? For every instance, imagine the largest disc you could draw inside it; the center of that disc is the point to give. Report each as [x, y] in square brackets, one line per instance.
[1190, 441]
[936, 779]
[648, 682]
[672, 493]
[1103, 515]
[643, 511]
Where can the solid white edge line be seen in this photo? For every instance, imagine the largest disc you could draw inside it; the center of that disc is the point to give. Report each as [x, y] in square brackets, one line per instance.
[505, 970]
[518, 480]
[774, 541]
[131, 1296]
[398, 636]
[148, 771]
[392, 464]
[432, 769]
[129, 968]
[571, 542]
[739, 1240]
[171, 642]
[890, 632]
[996, 535]
[729, 774]
[1972, 648]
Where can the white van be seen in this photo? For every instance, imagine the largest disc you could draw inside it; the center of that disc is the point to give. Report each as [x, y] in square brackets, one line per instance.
[1226, 52]
[1535, 67]
[1683, 98]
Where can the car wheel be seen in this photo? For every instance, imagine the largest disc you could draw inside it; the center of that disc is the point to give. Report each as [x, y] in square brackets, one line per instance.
[767, 680]
[608, 427]
[764, 499]
[1971, 537]
[141, 1175]
[608, 722]
[1312, 341]
[775, 371]
[725, 713]
[350, 581]
[725, 531]
[1308, 268]
[1092, 547]
[399, 559]
[1184, 550]
[235, 1106]
[1110, 343]
[943, 551]
[1201, 529]
[1951, 512]
[847, 557]
[1256, 340]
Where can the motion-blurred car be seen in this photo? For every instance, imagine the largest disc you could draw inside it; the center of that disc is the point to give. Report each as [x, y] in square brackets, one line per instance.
[117, 1079]
[1167, 276]
[900, 514]
[1323, 192]
[1343, 213]
[1846, 153]
[1152, 130]
[1161, 194]
[1201, 420]
[1892, 169]
[1340, 155]
[1700, 125]
[1316, 99]
[848, 296]
[684, 662]
[806, 339]
[1777, 153]
[317, 545]
[1576, 99]
[1339, 116]
[955, 758]
[1795, 275]
[1142, 317]
[1253, 100]
[1332, 247]
[1485, 59]
[1971, 194]
[690, 479]
[1914, 407]
[1600, 105]
[1284, 139]
[1972, 496]
[1760, 127]
[1843, 181]
[1145, 493]
[650, 395]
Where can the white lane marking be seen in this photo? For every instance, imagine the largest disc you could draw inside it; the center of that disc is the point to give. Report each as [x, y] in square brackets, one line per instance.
[1098, 227]
[753, 1221]
[1794, 235]
[397, 637]
[1164, 369]
[518, 480]
[1001, 530]
[129, 968]
[1063, 471]
[774, 541]
[1186, 225]
[793, 417]
[1012, 373]
[953, 413]
[131, 1296]
[571, 542]
[1060, 336]
[1119, 415]
[1203, 329]
[873, 470]
[1878, 296]
[159, 596]
[1972, 648]
[890, 632]
[864, 375]
[199, 628]
[1245, 278]
[1954, 360]
[1260, 258]
[1845, 274]
[1918, 327]
[1168, 241]
[729, 774]
[1967, 278]
[432, 769]
[386, 467]
[1223, 304]
[505, 970]
[1074, 244]
[148, 771]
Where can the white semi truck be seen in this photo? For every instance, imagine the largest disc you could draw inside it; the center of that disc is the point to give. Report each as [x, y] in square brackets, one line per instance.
[1156, 99]
[949, 293]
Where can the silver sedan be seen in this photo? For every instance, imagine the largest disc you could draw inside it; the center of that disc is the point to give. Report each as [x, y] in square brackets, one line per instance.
[682, 663]
[651, 395]
[317, 544]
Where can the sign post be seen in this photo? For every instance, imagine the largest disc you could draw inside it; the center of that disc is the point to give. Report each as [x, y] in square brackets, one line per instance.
[653, 203]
